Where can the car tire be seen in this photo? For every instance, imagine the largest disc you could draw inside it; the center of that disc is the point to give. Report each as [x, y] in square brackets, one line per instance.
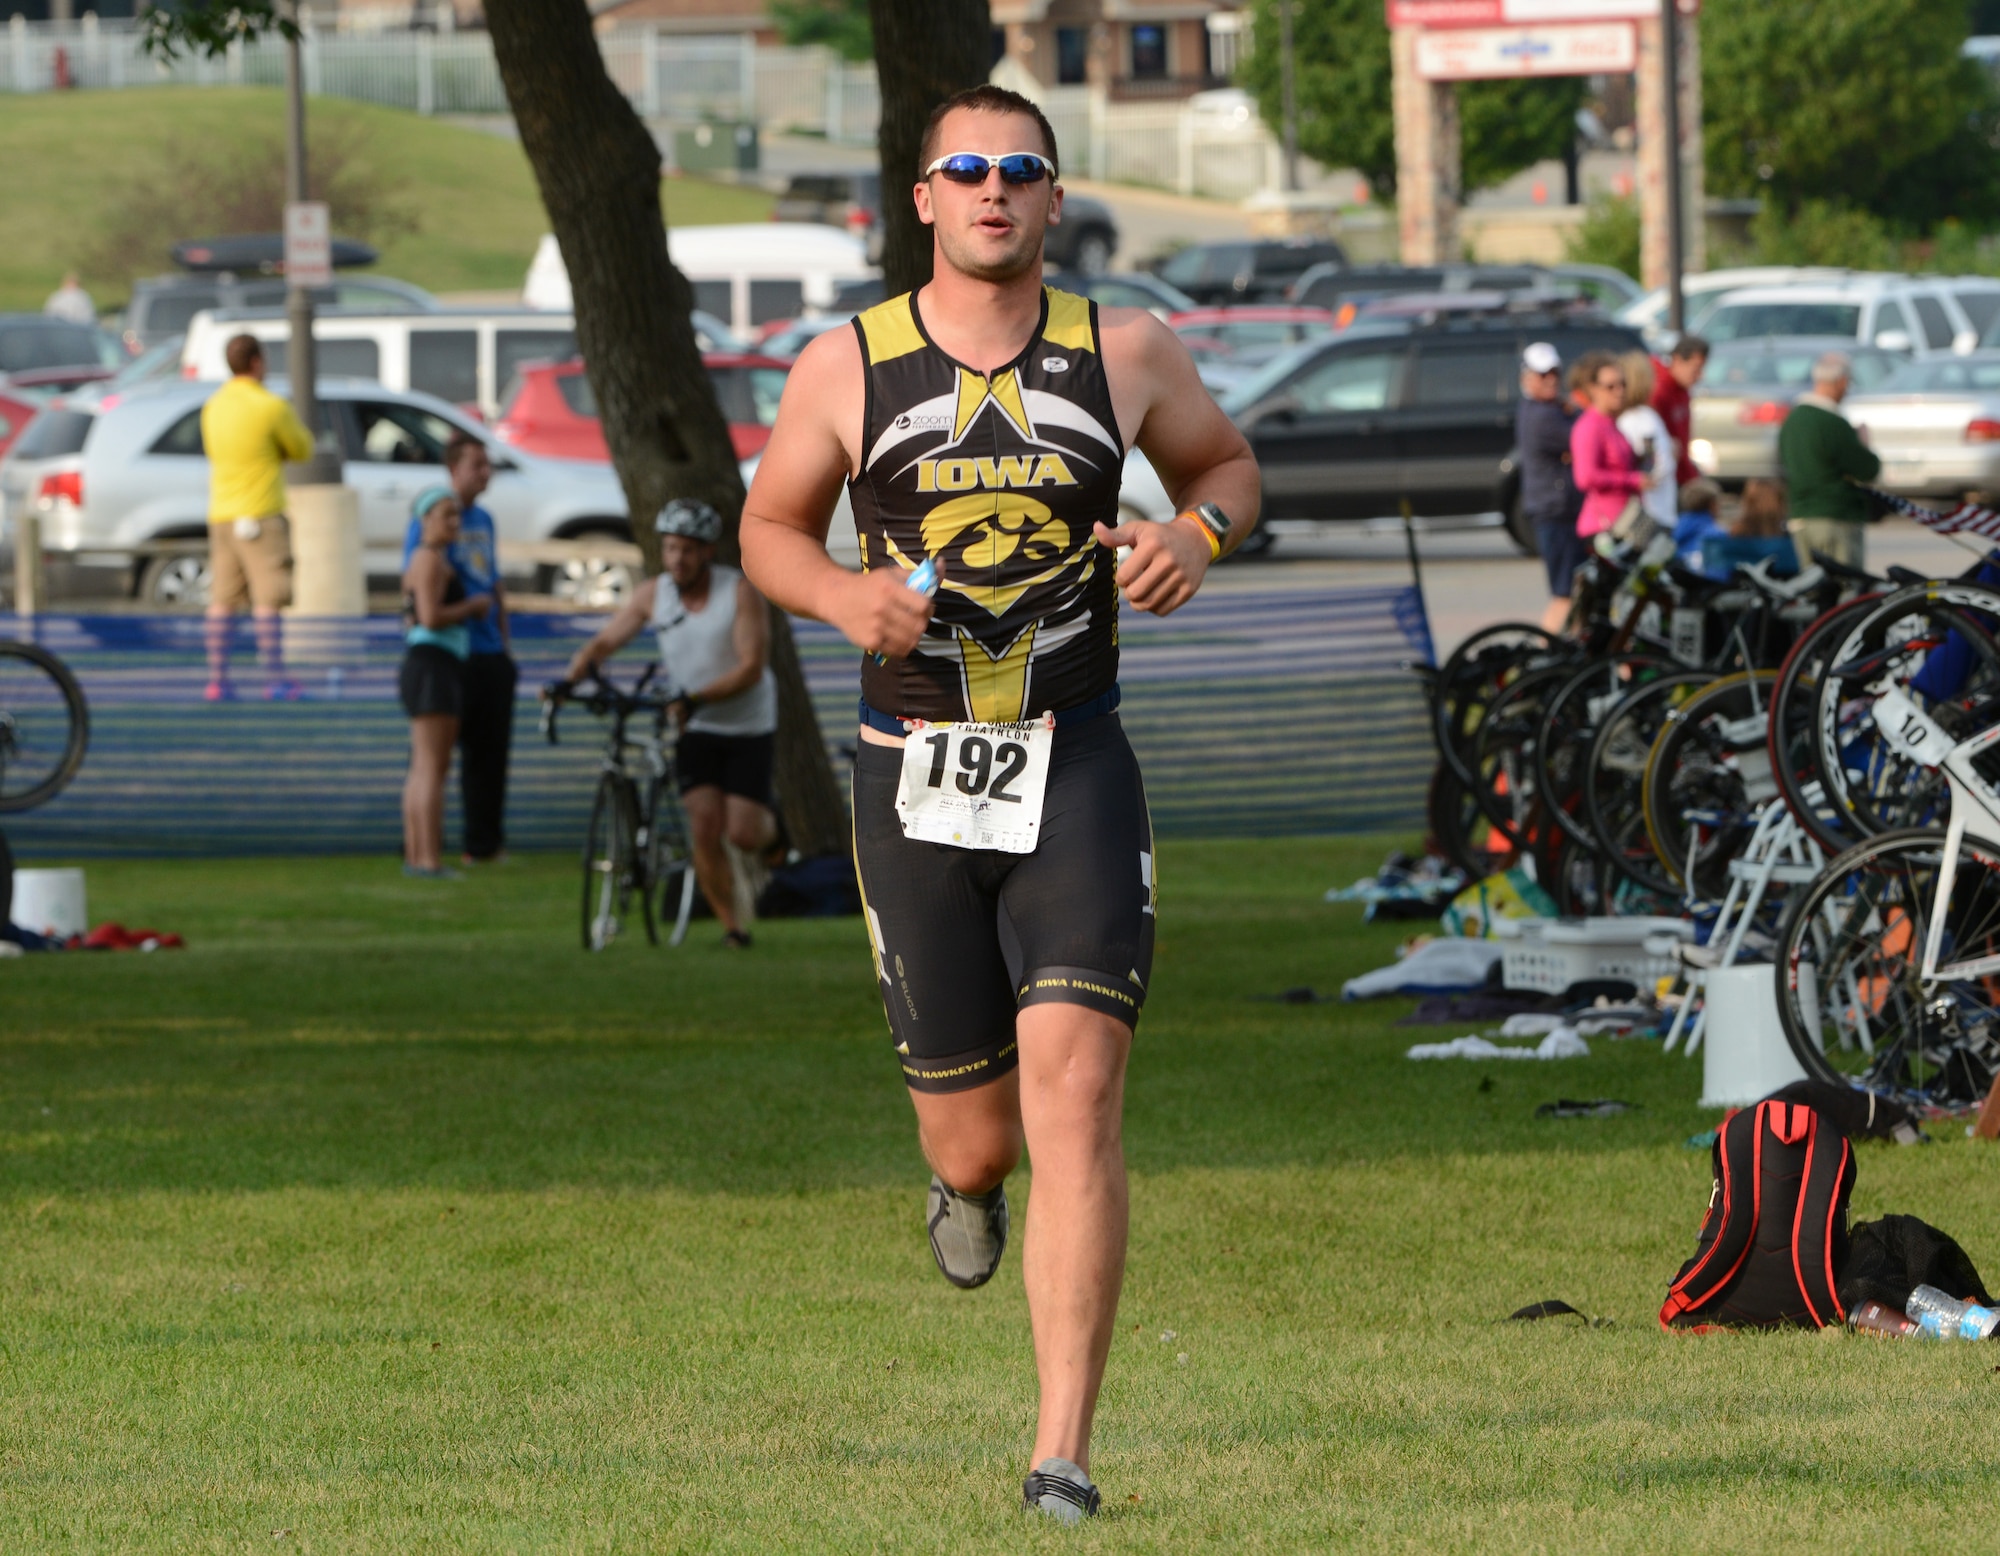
[1092, 254]
[1521, 528]
[175, 583]
[593, 585]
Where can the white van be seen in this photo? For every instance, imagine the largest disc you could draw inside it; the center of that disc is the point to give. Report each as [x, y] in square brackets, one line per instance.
[465, 357]
[748, 275]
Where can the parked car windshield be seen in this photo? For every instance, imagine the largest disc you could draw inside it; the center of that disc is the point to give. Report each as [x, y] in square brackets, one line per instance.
[1781, 368]
[57, 431]
[52, 343]
[1260, 384]
[1747, 321]
[1943, 377]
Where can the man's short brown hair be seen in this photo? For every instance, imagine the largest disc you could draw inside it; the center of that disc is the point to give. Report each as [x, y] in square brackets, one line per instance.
[243, 353]
[456, 445]
[986, 99]
[1688, 347]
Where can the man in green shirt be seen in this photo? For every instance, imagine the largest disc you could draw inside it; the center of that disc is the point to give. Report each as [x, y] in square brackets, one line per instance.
[1823, 457]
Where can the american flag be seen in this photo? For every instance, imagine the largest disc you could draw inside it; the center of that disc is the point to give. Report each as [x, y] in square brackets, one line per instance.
[1968, 518]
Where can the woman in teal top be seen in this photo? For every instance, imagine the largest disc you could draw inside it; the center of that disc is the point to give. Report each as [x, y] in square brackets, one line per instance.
[437, 642]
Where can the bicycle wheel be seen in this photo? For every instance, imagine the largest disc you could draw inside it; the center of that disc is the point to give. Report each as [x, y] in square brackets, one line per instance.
[609, 862]
[1793, 703]
[1569, 724]
[1708, 779]
[44, 726]
[1932, 644]
[1477, 671]
[1503, 751]
[669, 861]
[1850, 950]
[1614, 777]
[1460, 830]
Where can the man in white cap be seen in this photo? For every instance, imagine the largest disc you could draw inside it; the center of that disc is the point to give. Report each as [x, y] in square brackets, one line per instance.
[1549, 498]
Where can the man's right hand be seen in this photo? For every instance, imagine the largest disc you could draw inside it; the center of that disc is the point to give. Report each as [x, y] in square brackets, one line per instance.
[479, 606]
[879, 614]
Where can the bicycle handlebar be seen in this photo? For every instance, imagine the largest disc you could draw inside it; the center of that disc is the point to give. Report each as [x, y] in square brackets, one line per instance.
[603, 698]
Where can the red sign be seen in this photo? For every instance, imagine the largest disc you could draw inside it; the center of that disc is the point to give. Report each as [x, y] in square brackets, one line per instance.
[1523, 13]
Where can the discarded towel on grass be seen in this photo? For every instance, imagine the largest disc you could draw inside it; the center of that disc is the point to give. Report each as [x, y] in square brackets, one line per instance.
[1404, 888]
[1435, 967]
[1563, 1043]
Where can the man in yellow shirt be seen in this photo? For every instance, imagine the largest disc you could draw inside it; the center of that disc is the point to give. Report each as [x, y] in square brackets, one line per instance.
[248, 434]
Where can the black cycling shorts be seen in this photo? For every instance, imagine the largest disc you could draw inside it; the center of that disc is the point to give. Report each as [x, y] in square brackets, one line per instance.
[963, 938]
[431, 681]
[735, 764]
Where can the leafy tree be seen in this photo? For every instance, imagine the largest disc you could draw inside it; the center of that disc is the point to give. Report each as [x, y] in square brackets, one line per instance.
[839, 24]
[1866, 104]
[1340, 54]
[1608, 235]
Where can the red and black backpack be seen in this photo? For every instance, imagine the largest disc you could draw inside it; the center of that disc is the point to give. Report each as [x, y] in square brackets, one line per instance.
[1775, 1238]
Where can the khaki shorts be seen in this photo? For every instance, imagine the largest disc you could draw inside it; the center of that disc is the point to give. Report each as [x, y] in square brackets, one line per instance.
[1842, 539]
[256, 572]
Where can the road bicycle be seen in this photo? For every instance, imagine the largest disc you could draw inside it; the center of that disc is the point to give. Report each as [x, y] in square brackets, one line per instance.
[44, 726]
[1889, 960]
[636, 848]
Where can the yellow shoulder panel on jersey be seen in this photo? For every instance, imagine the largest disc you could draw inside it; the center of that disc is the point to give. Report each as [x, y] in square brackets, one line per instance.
[891, 330]
[1069, 321]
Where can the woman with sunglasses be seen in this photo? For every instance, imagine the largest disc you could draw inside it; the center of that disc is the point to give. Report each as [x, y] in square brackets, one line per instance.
[981, 425]
[1606, 472]
[432, 682]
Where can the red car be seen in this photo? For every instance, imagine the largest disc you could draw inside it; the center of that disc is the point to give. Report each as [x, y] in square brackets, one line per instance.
[16, 411]
[550, 408]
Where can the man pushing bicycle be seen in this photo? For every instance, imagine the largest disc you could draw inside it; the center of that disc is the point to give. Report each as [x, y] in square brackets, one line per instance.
[713, 637]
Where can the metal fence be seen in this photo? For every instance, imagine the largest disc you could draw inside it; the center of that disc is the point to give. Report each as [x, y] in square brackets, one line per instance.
[1264, 711]
[1174, 146]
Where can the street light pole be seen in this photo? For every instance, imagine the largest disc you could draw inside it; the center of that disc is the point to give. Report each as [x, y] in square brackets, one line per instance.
[300, 363]
[1670, 46]
[1289, 93]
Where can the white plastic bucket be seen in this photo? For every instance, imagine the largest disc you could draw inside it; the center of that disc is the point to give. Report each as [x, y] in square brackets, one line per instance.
[1744, 1055]
[50, 902]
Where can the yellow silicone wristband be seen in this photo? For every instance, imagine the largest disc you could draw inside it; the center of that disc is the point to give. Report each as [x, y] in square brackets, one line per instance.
[1207, 534]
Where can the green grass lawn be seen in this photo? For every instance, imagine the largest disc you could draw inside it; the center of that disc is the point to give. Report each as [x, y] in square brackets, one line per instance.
[386, 1218]
[68, 155]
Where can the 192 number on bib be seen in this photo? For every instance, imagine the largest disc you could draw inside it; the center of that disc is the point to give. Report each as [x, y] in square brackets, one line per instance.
[975, 785]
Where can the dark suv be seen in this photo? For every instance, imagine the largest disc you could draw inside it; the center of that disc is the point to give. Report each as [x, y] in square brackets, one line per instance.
[1348, 427]
[1247, 272]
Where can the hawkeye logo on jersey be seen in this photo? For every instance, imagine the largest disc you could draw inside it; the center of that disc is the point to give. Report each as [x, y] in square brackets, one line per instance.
[960, 475]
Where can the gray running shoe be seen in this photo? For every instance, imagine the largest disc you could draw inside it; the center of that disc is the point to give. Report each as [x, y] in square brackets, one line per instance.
[968, 1232]
[1061, 1490]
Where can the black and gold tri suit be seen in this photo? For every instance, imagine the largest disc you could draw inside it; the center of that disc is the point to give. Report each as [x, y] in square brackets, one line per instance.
[999, 478]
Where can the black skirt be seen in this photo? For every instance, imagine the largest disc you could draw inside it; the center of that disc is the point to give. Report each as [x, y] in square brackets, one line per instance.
[432, 681]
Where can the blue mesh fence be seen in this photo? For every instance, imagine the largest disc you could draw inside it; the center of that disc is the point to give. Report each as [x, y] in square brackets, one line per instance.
[1255, 711]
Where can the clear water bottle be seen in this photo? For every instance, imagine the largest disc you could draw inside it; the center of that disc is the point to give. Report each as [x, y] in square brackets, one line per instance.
[1943, 1317]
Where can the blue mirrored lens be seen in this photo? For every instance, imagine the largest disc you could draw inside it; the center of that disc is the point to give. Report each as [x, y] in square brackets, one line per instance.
[1021, 169]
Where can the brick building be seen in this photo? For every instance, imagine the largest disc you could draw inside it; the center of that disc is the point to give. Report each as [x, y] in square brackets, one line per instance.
[1129, 49]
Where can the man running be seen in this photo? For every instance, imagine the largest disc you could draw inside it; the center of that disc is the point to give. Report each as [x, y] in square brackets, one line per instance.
[713, 638]
[1006, 866]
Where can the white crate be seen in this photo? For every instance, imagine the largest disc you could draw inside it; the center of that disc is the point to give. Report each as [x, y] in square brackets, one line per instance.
[1548, 955]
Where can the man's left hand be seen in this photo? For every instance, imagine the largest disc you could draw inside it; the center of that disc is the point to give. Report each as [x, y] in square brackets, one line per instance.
[1167, 564]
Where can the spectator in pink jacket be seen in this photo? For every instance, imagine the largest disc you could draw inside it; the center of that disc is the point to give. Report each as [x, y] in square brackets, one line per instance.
[1600, 458]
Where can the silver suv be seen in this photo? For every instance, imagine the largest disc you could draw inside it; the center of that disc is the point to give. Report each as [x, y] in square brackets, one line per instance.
[113, 472]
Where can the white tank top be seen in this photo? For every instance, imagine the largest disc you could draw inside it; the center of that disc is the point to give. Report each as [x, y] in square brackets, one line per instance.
[697, 647]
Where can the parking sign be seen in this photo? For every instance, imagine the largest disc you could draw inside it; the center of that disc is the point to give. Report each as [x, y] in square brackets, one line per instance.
[308, 243]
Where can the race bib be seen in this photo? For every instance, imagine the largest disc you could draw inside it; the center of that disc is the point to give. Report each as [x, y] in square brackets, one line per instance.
[975, 785]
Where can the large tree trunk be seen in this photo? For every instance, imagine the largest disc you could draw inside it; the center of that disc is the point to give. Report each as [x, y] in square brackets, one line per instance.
[925, 50]
[599, 173]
